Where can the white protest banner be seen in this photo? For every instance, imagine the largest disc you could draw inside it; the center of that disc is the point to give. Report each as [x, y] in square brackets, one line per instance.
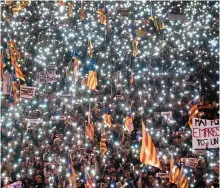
[27, 92]
[190, 162]
[58, 117]
[162, 175]
[34, 121]
[48, 76]
[205, 133]
[6, 84]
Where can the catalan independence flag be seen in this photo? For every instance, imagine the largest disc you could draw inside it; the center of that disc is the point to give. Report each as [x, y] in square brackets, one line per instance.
[176, 175]
[70, 180]
[134, 43]
[192, 113]
[17, 7]
[129, 122]
[87, 180]
[14, 53]
[75, 65]
[148, 154]
[13, 98]
[90, 126]
[92, 80]
[103, 147]
[102, 14]
[107, 117]
[3, 65]
[82, 14]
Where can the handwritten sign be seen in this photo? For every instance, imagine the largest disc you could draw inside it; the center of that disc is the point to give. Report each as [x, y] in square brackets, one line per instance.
[27, 92]
[167, 115]
[48, 76]
[205, 133]
[58, 117]
[190, 162]
[6, 84]
[162, 175]
[34, 121]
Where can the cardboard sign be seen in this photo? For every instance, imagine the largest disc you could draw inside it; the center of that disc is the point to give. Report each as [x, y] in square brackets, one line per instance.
[48, 76]
[27, 92]
[58, 118]
[6, 84]
[190, 162]
[205, 133]
[34, 121]
[162, 175]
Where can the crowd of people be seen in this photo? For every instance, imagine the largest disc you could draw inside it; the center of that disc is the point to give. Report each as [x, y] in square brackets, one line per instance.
[38, 154]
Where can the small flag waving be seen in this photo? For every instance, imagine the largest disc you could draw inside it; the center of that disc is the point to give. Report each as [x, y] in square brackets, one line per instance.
[90, 49]
[13, 98]
[148, 154]
[131, 79]
[107, 117]
[75, 65]
[102, 14]
[92, 81]
[177, 176]
[193, 111]
[14, 53]
[129, 122]
[3, 65]
[87, 180]
[82, 14]
[103, 147]
[70, 180]
[134, 43]
[90, 127]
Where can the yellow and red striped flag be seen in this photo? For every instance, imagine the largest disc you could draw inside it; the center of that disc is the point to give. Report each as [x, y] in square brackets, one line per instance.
[129, 123]
[102, 15]
[103, 147]
[3, 65]
[70, 9]
[87, 180]
[17, 7]
[90, 127]
[193, 111]
[183, 182]
[13, 98]
[135, 47]
[131, 79]
[107, 117]
[82, 14]
[90, 49]
[92, 80]
[176, 175]
[75, 65]
[148, 154]
[14, 63]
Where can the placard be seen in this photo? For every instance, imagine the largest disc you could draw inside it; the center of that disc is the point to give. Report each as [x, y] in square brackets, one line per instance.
[27, 92]
[6, 84]
[167, 115]
[190, 162]
[162, 175]
[58, 117]
[48, 76]
[34, 121]
[205, 133]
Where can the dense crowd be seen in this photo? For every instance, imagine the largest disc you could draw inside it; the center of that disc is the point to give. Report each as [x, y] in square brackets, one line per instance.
[38, 154]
